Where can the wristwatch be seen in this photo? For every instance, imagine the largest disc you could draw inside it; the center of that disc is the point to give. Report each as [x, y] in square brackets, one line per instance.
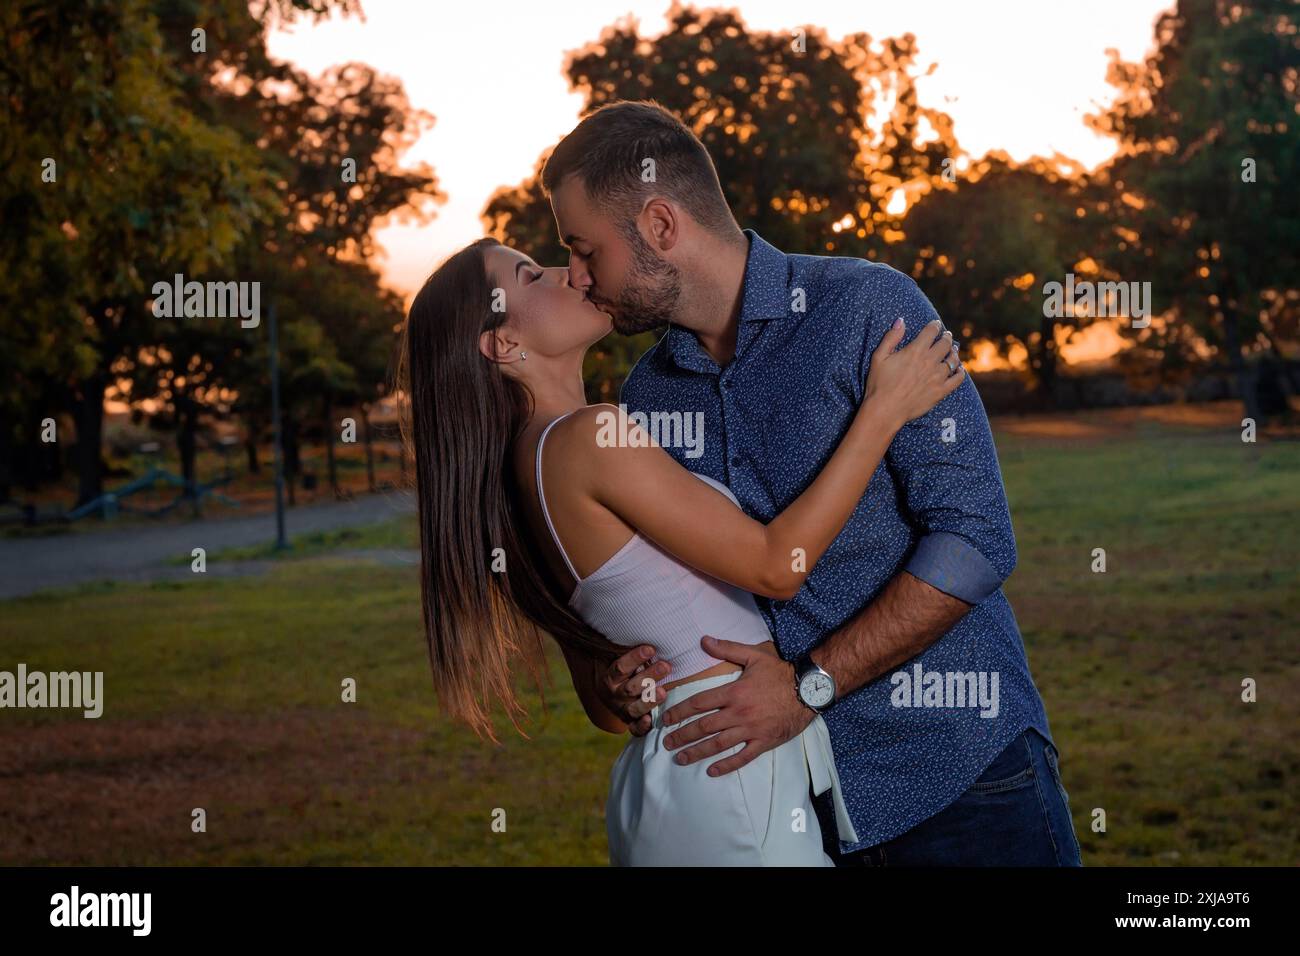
[815, 687]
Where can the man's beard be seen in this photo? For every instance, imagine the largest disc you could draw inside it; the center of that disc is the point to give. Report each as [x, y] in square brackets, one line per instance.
[650, 294]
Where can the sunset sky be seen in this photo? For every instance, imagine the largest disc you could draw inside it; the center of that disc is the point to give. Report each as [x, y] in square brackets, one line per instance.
[1014, 74]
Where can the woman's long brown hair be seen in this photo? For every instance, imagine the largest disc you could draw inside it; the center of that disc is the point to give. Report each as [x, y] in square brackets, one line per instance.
[463, 416]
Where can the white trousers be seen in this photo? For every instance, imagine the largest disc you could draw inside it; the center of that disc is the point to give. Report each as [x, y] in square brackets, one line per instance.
[659, 813]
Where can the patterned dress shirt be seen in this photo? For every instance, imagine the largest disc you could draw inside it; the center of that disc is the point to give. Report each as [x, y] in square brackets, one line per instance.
[911, 741]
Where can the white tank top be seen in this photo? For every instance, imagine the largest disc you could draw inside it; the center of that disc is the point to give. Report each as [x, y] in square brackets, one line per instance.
[643, 595]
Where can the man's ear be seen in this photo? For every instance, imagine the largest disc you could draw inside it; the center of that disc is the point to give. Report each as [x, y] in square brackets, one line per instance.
[497, 346]
[661, 222]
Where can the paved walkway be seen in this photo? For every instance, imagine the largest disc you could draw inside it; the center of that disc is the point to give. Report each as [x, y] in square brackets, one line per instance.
[143, 553]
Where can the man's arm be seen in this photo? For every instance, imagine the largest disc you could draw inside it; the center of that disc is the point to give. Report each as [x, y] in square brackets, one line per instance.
[946, 467]
[905, 618]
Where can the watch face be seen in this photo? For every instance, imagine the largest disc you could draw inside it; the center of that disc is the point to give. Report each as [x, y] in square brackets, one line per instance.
[817, 690]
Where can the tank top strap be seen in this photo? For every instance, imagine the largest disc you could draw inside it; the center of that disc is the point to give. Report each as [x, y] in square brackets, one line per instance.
[541, 497]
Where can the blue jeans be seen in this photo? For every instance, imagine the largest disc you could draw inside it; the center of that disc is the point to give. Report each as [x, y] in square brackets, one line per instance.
[1017, 813]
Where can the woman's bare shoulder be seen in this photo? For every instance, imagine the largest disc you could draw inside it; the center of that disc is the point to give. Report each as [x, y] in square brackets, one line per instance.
[600, 442]
[593, 427]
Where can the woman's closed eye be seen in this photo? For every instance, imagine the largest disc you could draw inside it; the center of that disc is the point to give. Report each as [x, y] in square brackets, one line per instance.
[529, 269]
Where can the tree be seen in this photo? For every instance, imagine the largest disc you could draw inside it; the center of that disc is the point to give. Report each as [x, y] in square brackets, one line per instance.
[332, 144]
[984, 247]
[336, 143]
[141, 140]
[1207, 168]
[109, 181]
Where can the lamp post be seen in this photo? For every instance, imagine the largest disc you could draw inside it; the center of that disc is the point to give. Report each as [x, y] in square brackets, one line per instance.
[281, 543]
[224, 444]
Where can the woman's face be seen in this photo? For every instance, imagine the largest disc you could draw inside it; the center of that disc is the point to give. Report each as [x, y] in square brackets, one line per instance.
[543, 312]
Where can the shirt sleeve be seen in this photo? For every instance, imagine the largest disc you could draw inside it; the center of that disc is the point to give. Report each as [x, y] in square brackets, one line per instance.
[944, 463]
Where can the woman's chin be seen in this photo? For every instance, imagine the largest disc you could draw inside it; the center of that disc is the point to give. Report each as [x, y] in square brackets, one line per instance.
[604, 321]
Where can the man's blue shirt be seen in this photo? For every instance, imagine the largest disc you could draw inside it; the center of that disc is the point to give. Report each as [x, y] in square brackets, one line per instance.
[935, 508]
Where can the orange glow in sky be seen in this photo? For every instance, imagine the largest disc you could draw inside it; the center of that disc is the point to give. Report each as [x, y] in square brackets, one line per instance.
[1016, 75]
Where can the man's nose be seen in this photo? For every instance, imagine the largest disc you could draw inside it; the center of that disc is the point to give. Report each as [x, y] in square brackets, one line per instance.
[579, 277]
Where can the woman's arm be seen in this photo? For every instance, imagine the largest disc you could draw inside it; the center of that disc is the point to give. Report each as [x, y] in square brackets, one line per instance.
[650, 491]
[584, 671]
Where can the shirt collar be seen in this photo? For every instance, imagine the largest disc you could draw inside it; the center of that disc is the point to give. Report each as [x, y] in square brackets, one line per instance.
[764, 295]
[766, 292]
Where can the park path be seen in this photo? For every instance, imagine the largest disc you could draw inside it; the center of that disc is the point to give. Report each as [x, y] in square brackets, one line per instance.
[143, 553]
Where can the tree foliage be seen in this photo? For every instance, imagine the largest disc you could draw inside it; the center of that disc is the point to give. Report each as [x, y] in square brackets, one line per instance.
[811, 137]
[1206, 178]
[179, 146]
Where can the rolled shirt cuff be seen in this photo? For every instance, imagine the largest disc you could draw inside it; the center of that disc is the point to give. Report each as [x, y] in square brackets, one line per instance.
[946, 561]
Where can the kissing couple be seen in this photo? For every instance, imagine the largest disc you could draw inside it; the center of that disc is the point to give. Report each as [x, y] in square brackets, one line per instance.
[792, 624]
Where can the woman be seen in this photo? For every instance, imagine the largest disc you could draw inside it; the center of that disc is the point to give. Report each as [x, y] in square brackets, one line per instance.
[531, 520]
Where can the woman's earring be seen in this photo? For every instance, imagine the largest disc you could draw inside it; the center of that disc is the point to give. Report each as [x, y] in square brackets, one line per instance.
[523, 356]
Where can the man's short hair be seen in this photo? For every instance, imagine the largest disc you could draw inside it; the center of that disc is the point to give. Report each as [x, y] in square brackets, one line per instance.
[608, 150]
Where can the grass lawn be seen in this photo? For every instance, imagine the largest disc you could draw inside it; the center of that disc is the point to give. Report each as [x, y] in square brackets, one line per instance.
[400, 533]
[224, 694]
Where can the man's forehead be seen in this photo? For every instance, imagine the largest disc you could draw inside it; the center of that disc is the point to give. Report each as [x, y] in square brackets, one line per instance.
[571, 190]
[570, 206]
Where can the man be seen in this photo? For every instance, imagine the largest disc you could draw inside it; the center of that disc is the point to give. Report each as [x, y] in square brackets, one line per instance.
[901, 636]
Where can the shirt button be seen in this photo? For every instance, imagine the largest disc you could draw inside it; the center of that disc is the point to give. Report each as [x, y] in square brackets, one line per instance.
[735, 461]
